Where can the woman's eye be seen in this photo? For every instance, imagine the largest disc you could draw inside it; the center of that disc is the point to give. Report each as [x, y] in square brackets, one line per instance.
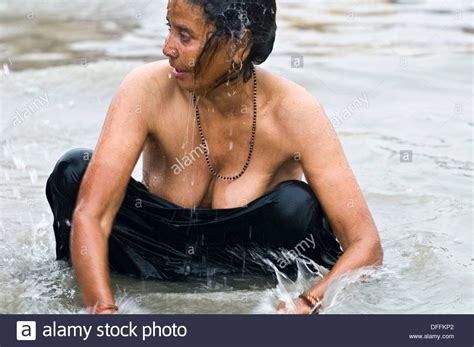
[184, 38]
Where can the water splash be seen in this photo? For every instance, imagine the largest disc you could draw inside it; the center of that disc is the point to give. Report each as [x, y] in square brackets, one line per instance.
[127, 303]
[24, 288]
[286, 290]
[309, 274]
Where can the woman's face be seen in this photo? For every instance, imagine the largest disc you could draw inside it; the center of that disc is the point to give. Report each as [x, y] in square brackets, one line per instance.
[188, 33]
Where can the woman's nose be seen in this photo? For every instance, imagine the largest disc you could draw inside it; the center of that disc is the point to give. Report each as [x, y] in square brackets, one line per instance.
[169, 50]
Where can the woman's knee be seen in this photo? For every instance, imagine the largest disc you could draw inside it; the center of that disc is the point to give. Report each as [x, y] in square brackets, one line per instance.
[301, 215]
[70, 168]
[294, 194]
[296, 204]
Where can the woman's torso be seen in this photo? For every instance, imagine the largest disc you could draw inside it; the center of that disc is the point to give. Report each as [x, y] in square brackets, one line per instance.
[174, 165]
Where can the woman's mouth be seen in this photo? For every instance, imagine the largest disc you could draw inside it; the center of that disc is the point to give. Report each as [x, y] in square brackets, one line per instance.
[179, 73]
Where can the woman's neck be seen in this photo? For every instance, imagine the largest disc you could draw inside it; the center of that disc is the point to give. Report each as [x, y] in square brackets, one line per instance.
[227, 100]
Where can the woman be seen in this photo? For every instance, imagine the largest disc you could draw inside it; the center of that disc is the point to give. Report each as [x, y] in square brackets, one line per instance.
[225, 145]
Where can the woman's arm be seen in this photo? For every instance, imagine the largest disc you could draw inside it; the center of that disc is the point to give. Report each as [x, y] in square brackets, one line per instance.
[331, 179]
[103, 189]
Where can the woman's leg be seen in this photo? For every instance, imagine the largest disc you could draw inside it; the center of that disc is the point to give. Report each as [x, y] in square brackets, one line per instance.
[280, 225]
[196, 242]
[61, 191]
[62, 188]
[300, 225]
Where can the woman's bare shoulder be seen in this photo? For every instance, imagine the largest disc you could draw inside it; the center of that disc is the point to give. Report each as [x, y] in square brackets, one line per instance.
[292, 102]
[153, 77]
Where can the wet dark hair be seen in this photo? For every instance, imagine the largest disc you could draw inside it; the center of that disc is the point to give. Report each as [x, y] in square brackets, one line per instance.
[231, 18]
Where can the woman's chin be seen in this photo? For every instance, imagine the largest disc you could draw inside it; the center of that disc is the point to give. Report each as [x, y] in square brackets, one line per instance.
[190, 86]
[186, 80]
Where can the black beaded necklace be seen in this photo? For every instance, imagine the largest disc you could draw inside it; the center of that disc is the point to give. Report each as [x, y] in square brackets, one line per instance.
[251, 142]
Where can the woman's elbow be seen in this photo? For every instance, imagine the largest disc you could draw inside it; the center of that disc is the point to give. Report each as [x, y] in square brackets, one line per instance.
[91, 221]
[376, 253]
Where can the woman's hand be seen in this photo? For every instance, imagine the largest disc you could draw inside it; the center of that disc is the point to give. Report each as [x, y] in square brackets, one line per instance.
[301, 307]
[101, 308]
[108, 312]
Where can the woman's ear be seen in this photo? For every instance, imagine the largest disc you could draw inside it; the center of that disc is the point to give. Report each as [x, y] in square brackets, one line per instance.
[243, 49]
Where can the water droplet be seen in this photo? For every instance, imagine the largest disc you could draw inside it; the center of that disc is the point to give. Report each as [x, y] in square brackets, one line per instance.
[6, 69]
[169, 76]
[33, 176]
[19, 163]
[231, 145]
[68, 222]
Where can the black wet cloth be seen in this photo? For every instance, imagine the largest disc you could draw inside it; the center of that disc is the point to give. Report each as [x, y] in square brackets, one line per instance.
[153, 238]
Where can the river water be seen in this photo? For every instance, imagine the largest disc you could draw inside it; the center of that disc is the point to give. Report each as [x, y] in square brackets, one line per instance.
[395, 77]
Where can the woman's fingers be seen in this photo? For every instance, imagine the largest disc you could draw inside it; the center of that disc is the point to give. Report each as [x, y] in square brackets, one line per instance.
[282, 307]
[300, 309]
